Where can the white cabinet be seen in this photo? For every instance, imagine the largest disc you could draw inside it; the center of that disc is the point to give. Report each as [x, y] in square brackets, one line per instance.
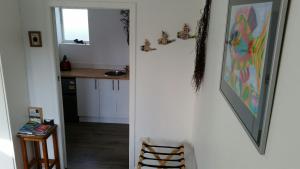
[103, 100]
[87, 98]
[114, 101]
[108, 98]
[123, 99]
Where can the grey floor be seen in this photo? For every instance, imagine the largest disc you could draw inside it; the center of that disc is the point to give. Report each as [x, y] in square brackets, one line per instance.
[97, 146]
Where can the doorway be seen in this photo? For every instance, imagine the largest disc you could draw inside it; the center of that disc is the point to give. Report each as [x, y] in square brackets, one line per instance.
[107, 127]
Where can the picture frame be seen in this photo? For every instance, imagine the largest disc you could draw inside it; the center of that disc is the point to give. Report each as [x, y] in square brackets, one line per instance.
[251, 58]
[35, 38]
[36, 114]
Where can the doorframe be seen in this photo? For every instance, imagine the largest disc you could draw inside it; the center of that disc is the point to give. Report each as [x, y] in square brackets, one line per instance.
[132, 62]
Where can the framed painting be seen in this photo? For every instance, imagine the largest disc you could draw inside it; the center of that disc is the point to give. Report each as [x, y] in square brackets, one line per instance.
[252, 49]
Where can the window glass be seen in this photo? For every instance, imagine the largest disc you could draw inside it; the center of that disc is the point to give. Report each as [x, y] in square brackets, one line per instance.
[75, 24]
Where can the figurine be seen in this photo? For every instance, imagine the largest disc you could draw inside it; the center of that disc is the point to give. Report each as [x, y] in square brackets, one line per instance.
[164, 40]
[78, 41]
[65, 64]
[146, 47]
[185, 33]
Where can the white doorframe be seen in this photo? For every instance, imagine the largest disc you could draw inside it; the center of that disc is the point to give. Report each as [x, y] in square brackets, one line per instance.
[132, 62]
[7, 156]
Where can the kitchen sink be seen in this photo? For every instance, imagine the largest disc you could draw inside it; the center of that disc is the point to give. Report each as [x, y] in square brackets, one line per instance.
[115, 73]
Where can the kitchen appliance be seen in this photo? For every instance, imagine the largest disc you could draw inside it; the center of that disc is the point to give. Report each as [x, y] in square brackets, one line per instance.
[70, 100]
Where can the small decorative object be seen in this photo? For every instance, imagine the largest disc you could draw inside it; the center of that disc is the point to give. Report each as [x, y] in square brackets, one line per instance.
[185, 33]
[127, 68]
[36, 114]
[164, 40]
[125, 21]
[65, 64]
[49, 122]
[201, 46]
[146, 47]
[78, 41]
[35, 38]
[251, 59]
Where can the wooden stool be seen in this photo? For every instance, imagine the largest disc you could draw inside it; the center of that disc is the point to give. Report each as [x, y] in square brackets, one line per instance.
[37, 139]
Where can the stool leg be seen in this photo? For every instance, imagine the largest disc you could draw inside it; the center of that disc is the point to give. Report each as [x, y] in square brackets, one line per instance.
[56, 153]
[24, 153]
[37, 154]
[45, 154]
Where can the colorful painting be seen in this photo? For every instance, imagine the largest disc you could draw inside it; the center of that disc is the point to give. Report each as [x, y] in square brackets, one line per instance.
[251, 58]
[248, 34]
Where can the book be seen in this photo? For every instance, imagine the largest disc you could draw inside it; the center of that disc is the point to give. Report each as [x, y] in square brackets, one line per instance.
[28, 128]
[41, 129]
[34, 128]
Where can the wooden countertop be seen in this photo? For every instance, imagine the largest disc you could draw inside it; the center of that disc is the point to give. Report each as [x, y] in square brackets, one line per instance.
[92, 73]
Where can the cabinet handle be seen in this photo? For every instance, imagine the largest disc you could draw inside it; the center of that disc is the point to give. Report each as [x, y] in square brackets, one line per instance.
[95, 84]
[118, 85]
[113, 84]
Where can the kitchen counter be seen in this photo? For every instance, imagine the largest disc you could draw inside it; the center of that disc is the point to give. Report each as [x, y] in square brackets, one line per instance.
[92, 73]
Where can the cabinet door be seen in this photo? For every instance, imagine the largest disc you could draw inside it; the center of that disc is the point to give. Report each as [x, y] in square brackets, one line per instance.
[108, 106]
[87, 97]
[123, 100]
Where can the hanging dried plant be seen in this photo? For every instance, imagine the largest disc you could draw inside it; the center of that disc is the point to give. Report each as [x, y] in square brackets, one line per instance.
[201, 46]
[125, 21]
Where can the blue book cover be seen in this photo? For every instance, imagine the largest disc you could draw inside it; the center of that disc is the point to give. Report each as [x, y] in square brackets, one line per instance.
[29, 128]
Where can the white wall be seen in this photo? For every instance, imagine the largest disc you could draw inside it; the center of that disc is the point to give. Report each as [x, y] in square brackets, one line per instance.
[220, 141]
[7, 156]
[108, 42]
[165, 102]
[164, 96]
[14, 100]
[41, 65]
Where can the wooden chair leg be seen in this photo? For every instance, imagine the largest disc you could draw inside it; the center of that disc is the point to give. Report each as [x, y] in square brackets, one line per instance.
[56, 152]
[37, 154]
[24, 153]
[45, 154]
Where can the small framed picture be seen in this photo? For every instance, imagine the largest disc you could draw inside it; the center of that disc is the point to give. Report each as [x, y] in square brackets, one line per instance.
[35, 38]
[36, 114]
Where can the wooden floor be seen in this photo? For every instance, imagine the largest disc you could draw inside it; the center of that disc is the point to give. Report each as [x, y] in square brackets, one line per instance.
[97, 146]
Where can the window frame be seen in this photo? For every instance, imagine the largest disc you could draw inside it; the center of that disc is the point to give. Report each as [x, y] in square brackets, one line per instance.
[63, 40]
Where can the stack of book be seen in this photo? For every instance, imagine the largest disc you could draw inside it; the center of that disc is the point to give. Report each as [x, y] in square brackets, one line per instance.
[34, 128]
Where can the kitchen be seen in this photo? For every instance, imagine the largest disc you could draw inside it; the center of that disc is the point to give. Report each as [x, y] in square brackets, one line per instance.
[94, 53]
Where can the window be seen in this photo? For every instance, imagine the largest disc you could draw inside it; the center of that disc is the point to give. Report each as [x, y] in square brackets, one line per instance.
[75, 25]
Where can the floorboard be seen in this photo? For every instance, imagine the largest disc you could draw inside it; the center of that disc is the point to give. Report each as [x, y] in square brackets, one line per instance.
[97, 146]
